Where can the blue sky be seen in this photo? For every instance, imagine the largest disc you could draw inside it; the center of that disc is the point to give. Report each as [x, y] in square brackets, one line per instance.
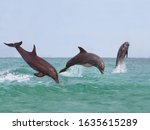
[58, 27]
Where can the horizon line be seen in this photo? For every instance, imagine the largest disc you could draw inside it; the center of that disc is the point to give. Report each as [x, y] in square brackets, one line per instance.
[70, 57]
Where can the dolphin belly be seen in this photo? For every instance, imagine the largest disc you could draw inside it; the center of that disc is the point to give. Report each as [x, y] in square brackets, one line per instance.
[87, 65]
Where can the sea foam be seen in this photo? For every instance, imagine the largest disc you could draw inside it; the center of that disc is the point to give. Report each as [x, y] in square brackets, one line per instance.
[121, 68]
[7, 76]
[74, 71]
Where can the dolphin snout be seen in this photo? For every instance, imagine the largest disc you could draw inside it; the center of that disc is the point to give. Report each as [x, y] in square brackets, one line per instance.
[127, 44]
[57, 81]
[102, 71]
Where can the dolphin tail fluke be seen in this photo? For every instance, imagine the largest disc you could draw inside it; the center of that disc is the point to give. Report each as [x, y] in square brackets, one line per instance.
[63, 70]
[13, 44]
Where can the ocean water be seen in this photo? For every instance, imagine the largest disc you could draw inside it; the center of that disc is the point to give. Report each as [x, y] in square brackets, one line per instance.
[81, 89]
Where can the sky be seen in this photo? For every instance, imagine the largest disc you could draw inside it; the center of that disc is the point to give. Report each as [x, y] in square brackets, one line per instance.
[58, 27]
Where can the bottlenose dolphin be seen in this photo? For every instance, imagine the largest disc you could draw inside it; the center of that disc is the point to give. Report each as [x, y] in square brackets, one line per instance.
[122, 52]
[86, 59]
[36, 62]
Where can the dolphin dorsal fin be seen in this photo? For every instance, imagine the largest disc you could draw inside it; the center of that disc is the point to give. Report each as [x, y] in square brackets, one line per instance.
[82, 50]
[34, 51]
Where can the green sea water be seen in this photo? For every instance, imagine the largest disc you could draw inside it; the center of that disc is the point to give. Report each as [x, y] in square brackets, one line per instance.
[81, 89]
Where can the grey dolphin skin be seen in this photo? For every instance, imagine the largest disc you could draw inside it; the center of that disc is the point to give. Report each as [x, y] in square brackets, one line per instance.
[36, 62]
[86, 59]
[122, 52]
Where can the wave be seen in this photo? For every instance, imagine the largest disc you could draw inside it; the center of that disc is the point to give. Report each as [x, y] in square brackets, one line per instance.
[8, 76]
[74, 71]
[121, 68]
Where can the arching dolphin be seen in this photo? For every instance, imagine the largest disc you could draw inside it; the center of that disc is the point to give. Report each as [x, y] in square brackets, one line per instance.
[36, 62]
[122, 52]
[86, 59]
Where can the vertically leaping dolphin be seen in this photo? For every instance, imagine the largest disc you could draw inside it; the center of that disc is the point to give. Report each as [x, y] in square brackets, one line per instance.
[86, 59]
[36, 62]
[122, 52]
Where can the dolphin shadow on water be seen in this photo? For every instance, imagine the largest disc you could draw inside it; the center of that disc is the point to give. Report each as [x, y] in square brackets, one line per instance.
[86, 59]
[122, 52]
[36, 62]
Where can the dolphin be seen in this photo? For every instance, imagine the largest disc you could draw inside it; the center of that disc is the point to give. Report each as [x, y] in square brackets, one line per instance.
[86, 59]
[122, 52]
[35, 62]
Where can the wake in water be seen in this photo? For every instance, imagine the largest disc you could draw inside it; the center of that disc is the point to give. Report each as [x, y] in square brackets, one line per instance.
[121, 68]
[8, 76]
[74, 71]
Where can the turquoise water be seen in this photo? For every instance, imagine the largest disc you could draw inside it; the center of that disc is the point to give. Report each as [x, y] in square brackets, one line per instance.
[81, 89]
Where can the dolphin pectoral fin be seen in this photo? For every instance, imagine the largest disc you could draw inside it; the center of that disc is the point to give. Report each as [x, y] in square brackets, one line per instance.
[63, 70]
[40, 74]
[82, 50]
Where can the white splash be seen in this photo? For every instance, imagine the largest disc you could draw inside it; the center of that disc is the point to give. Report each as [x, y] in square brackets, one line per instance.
[121, 68]
[74, 71]
[6, 76]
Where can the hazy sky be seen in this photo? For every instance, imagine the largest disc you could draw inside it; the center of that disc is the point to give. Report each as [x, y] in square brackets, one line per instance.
[58, 27]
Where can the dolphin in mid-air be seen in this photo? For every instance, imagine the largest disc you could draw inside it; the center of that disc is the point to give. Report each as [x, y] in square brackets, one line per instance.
[86, 59]
[122, 52]
[36, 62]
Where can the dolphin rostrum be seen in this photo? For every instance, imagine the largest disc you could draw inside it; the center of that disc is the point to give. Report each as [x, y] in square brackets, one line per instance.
[36, 62]
[86, 59]
[122, 52]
